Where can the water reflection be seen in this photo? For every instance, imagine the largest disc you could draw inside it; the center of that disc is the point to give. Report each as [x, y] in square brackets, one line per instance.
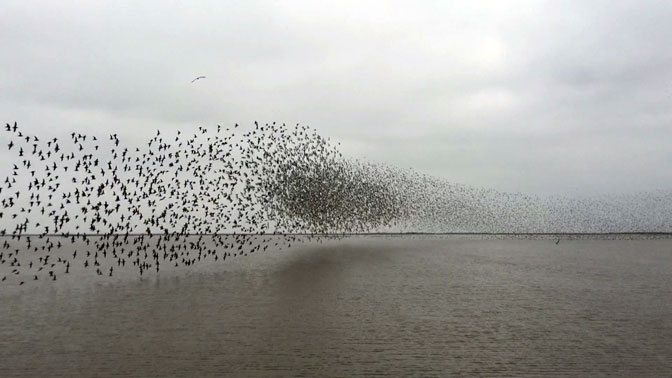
[362, 307]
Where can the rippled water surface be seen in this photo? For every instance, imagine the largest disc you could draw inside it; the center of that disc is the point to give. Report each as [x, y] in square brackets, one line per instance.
[365, 306]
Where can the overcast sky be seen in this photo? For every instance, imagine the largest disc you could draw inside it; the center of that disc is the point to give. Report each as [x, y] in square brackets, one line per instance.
[541, 97]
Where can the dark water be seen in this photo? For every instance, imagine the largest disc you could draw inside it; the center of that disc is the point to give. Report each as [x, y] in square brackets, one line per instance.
[374, 306]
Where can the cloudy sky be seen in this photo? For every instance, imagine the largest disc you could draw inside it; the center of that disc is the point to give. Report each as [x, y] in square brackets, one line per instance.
[541, 97]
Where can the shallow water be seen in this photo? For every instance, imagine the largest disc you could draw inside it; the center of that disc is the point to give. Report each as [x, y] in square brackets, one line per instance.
[363, 306]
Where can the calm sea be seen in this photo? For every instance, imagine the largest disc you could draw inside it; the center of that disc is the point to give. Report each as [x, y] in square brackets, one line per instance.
[358, 307]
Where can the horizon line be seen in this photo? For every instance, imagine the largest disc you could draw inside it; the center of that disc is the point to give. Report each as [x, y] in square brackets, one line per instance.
[352, 234]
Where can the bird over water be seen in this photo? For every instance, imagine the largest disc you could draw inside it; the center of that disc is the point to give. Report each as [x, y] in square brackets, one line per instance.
[180, 199]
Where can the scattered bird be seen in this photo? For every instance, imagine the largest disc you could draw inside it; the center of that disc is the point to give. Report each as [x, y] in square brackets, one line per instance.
[180, 200]
[198, 78]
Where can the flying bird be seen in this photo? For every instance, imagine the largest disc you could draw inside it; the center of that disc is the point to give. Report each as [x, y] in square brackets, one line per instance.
[198, 78]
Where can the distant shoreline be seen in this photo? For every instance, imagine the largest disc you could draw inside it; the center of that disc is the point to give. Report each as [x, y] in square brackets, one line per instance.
[668, 234]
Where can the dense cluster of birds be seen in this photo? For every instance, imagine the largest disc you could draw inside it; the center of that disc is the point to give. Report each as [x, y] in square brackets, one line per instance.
[218, 192]
[174, 201]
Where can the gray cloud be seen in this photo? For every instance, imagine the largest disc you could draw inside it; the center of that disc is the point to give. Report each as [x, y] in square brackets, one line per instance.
[564, 97]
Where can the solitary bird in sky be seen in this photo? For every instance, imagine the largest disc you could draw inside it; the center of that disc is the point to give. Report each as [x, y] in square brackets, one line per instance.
[198, 78]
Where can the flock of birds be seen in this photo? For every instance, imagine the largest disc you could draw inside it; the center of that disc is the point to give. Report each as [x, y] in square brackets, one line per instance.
[92, 202]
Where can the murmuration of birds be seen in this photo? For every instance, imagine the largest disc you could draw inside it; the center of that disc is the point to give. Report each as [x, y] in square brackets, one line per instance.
[92, 202]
